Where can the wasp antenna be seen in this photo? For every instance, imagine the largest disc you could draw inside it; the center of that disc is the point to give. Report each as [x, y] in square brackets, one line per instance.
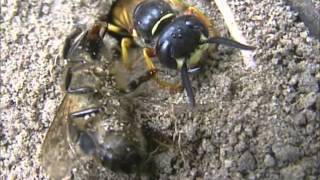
[227, 42]
[187, 84]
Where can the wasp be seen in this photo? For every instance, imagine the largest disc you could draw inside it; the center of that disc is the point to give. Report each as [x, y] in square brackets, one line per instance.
[95, 122]
[170, 30]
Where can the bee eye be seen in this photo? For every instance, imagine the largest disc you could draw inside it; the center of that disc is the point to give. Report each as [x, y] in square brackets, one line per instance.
[87, 144]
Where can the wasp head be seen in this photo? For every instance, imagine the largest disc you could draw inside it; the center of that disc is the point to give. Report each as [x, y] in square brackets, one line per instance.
[180, 40]
[181, 44]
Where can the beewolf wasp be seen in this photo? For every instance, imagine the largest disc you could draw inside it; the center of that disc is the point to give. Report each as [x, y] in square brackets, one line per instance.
[172, 31]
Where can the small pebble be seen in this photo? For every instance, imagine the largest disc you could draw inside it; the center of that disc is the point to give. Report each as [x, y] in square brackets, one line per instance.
[269, 161]
[247, 162]
[286, 153]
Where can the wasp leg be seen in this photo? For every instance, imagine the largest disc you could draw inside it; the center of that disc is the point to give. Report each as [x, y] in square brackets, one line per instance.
[173, 87]
[134, 84]
[179, 4]
[125, 44]
[115, 29]
[69, 89]
[203, 18]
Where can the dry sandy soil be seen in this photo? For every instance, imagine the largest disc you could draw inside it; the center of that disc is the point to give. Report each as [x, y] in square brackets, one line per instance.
[261, 123]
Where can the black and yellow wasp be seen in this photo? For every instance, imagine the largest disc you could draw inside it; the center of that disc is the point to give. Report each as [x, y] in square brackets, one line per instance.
[94, 121]
[172, 31]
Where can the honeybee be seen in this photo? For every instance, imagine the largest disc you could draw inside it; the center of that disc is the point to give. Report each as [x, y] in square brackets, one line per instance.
[95, 126]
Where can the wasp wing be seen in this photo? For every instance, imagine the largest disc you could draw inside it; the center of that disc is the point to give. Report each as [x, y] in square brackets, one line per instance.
[56, 156]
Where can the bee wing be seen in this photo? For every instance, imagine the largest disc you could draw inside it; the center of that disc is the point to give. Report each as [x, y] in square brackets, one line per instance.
[56, 156]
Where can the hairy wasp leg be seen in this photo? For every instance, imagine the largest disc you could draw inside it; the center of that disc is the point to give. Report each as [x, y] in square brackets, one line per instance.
[203, 18]
[79, 90]
[85, 112]
[192, 11]
[134, 84]
[179, 4]
[196, 12]
[173, 87]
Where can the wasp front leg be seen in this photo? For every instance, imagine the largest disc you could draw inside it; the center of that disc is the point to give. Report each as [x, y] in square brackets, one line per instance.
[192, 10]
[173, 87]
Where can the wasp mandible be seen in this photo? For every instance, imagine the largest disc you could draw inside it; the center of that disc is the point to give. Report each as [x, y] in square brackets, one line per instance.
[94, 121]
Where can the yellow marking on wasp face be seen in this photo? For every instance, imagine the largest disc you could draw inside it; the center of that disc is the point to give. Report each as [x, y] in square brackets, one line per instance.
[197, 54]
[180, 62]
[155, 27]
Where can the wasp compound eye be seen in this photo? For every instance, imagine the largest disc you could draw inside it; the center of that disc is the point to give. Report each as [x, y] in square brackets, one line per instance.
[180, 39]
[148, 16]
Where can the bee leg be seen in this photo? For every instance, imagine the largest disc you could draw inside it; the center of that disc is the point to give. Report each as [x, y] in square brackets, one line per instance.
[71, 42]
[125, 44]
[69, 89]
[173, 87]
[79, 120]
[85, 112]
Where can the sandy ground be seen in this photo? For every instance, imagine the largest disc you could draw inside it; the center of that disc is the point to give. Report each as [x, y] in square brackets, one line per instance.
[261, 123]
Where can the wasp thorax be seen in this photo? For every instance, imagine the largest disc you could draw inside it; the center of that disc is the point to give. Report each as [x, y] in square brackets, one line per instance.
[150, 16]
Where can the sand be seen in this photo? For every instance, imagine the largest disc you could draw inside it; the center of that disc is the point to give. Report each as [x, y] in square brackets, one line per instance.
[261, 123]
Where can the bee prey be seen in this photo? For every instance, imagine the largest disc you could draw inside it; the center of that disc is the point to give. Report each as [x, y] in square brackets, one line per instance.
[94, 123]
